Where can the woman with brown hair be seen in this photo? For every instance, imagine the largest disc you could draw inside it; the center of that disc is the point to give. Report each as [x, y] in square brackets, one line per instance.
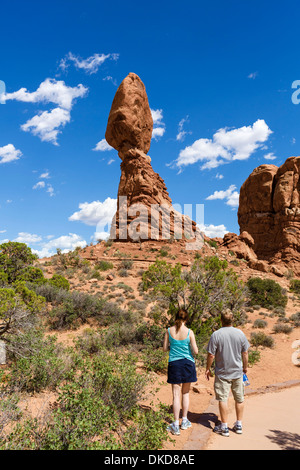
[181, 368]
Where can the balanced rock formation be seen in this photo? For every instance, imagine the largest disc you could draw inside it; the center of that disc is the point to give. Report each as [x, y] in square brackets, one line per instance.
[269, 210]
[142, 194]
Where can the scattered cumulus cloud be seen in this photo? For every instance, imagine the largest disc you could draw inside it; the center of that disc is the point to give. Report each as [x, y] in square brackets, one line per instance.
[47, 125]
[230, 195]
[103, 146]
[96, 213]
[90, 65]
[50, 91]
[158, 124]
[66, 243]
[181, 132]
[270, 156]
[226, 146]
[253, 75]
[25, 237]
[212, 231]
[9, 153]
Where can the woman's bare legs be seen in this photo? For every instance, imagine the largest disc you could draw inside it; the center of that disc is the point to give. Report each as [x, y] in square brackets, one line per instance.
[185, 399]
[176, 400]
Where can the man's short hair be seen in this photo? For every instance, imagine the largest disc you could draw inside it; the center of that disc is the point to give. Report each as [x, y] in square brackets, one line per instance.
[227, 317]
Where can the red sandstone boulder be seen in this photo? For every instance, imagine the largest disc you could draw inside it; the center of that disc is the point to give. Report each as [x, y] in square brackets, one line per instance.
[269, 210]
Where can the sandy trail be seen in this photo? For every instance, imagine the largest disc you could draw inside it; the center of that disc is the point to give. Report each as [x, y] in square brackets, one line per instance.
[271, 422]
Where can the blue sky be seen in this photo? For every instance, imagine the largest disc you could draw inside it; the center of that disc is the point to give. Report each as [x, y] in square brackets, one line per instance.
[219, 80]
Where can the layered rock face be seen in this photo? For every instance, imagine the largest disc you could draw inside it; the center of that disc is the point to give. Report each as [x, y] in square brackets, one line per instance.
[142, 194]
[269, 210]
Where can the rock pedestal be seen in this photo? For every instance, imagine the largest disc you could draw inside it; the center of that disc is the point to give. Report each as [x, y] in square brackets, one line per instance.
[142, 194]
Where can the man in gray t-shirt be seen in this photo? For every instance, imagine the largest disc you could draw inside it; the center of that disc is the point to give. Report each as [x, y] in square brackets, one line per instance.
[228, 346]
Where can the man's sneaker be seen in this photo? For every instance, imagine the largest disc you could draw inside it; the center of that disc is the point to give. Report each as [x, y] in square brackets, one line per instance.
[186, 424]
[223, 431]
[174, 429]
[238, 428]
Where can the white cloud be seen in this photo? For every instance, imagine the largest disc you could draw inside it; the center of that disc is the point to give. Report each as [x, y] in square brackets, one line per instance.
[65, 243]
[181, 133]
[158, 132]
[100, 236]
[219, 176]
[90, 65]
[96, 213]
[9, 153]
[270, 156]
[225, 146]
[39, 185]
[212, 231]
[3, 231]
[50, 190]
[158, 124]
[253, 75]
[45, 175]
[103, 146]
[47, 125]
[25, 237]
[110, 161]
[233, 199]
[50, 91]
[231, 196]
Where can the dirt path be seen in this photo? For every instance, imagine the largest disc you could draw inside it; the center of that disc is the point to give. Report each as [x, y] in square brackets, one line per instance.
[271, 422]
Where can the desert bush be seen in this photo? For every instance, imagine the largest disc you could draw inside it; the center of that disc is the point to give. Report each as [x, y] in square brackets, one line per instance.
[253, 356]
[31, 274]
[266, 293]
[96, 404]
[261, 339]
[295, 286]
[104, 265]
[59, 281]
[282, 328]
[295, 319]
[126, 264]
[207, 289]
[260, 323]
[46, 364]
[14, 257]
[155, 360]
[123, 272]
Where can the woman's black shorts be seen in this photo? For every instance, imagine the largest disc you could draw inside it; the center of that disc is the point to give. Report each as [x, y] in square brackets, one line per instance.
[181, 371]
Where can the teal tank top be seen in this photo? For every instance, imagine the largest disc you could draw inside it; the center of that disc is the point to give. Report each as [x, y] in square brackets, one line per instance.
[180, 348]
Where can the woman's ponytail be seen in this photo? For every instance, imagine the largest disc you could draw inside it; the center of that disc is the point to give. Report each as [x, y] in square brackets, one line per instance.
[181, 317]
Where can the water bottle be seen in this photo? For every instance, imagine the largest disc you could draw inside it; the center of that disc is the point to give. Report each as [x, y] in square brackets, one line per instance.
[246, 380]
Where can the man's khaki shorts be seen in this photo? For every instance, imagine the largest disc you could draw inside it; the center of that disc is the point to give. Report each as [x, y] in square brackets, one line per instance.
[223, 387]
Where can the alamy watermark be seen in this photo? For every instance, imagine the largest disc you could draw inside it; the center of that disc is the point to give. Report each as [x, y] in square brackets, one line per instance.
[296, 94]
[2, 92]
[140, 222]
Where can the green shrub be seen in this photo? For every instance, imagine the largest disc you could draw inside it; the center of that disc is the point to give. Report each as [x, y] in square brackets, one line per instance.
[104, 265]
[14, 257]
[261, 339]
[295, 286]
[46, 364]
[32, 274]
[155, 360]
[266, 293]
[59, 281]
[253, 356]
